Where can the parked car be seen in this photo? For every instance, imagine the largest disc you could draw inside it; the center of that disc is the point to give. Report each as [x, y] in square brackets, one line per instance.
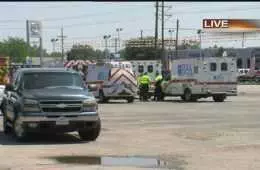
[50, 100]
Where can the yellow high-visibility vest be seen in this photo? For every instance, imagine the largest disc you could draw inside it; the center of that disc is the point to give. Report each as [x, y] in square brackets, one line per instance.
[145, 79]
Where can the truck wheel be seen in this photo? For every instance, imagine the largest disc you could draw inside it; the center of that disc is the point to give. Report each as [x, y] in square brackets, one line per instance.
[102, 98]
[130, 99]
[19, 130]
[7, 129]
[90, 134]
[187, 97]
[219, 98]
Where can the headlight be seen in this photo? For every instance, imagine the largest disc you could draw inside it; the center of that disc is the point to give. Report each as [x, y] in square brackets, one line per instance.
[90, 102]
[30, 102]
[90, 105]
[30, 105]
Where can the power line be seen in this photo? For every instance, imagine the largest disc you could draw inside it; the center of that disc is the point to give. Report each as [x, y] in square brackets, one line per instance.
[212, 11]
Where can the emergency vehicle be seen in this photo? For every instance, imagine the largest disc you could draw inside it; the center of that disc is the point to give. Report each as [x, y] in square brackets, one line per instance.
[195, 78]
[112, 80]
[149, 66]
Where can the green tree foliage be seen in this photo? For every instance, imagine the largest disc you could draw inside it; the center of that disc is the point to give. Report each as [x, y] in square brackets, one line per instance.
[220, 52]
[15, 48]
[55, 54]
[84, 52]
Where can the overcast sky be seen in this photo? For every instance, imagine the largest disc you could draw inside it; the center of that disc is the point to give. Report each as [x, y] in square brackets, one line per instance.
[87, 22]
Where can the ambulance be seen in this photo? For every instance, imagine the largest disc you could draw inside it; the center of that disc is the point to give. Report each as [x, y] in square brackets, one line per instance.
[148, 66]
[195, 78]
[112, 80]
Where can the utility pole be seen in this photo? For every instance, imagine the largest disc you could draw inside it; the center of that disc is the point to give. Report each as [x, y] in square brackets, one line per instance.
[62, 44]
[41, 51]
[243, 39]
[177, 38]
[156, 22]
[141, 34]
[115, 45]
[28, 37]
[164, 60]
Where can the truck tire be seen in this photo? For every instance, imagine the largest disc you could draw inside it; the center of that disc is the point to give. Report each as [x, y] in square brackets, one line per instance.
[19, 130]
[219, 98]
[130, 99]
[187, 96]
[90, 134]
[102, 98]
[7, 129]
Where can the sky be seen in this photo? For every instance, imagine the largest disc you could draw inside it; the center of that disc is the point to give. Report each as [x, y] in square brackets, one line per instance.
[87, 22]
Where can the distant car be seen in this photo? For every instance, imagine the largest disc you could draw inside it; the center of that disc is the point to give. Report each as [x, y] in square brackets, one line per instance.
[50, 100]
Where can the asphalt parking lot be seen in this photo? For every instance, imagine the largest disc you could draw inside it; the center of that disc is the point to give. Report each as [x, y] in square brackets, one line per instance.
[147, 135]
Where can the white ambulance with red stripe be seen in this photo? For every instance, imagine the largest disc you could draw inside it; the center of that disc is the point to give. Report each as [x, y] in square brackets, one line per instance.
[112, 80]
[195, 78]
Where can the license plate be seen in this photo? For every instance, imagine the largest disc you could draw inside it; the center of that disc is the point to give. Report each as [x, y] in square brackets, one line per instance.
[62, 122]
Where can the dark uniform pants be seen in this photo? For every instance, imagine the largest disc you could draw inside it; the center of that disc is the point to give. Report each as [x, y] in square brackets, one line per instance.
[144, 89]
[158, 91]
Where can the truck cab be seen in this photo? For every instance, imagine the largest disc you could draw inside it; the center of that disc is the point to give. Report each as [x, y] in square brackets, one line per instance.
[49, 100]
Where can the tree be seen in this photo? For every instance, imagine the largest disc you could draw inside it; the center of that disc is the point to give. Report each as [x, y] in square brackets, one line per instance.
[55, 54]
[16, 48]
[220, 52]
[84, 52]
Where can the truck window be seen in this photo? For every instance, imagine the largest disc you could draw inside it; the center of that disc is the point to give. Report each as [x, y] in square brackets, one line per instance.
[224, 67]
[150, 68]
[196, 69]
[45, 79]
[140, 68]
[213, 66]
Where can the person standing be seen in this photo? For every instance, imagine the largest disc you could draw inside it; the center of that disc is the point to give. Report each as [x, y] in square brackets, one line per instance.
[158, 89]
[144, 87]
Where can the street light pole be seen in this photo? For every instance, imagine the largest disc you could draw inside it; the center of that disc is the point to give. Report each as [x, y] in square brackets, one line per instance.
[199, 33]
[106, 37]
[118, 37]
[53, 40]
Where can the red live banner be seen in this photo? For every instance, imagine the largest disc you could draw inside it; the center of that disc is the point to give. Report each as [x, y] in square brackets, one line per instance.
[231, 25]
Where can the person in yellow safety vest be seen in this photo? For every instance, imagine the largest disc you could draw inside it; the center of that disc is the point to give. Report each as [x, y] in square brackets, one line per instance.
[158, 89]
[138, 79]
[144, 87]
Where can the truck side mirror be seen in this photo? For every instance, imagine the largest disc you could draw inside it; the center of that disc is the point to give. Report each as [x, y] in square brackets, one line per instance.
[9, 87]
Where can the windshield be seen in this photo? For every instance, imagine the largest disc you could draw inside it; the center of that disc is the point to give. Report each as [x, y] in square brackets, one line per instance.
[44, 80]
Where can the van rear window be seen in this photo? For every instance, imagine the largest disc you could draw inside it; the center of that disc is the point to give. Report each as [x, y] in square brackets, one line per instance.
[224, 66]
[150, 68]
[140, 68]
[213, 66]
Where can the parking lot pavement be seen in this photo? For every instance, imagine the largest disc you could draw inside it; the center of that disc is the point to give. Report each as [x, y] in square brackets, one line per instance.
[172, 134]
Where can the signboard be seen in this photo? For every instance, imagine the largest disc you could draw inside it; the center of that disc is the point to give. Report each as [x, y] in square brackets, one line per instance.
[231, 25]
[35, 29]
